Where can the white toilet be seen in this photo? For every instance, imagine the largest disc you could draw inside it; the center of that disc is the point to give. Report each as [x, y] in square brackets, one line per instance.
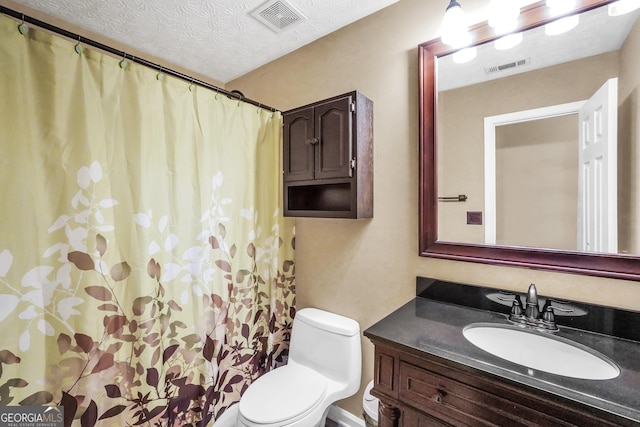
[325, 361]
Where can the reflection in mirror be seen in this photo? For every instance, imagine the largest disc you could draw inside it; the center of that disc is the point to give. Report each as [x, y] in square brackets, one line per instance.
[527, 181]
[545, 201]
[461, 102]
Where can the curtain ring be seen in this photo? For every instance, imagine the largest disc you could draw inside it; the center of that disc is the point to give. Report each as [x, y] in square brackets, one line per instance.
[258, 109]
[22, 27]
[124, 64]
[78, 47]
[192, 87]
[160, 75]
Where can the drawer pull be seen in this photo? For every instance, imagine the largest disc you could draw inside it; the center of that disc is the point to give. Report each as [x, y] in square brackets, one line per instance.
[438, 396]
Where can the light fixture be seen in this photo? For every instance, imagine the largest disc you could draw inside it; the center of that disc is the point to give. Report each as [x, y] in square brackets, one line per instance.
[559, 7]
[503, 15]
[561, 25]
[465, 55]
[623, 6]
[508, 41]
[454, 26]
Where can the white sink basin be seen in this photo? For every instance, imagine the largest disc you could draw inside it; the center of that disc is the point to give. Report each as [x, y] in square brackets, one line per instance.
[541, 351]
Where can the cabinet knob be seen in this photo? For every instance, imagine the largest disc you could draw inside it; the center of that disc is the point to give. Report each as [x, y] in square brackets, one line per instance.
[438, 396]
[313, 141]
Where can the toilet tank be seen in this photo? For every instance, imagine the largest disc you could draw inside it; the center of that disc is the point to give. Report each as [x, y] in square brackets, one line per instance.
[329, 344]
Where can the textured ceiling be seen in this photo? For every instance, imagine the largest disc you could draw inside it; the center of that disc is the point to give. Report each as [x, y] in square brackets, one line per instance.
[218, 39]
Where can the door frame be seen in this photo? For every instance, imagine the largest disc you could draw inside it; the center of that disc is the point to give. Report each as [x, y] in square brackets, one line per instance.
[490, 124]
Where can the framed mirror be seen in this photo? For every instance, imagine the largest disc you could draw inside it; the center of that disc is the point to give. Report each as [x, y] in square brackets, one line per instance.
[502, 178]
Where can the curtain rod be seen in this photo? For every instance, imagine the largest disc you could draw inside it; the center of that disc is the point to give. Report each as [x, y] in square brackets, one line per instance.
[25, 18]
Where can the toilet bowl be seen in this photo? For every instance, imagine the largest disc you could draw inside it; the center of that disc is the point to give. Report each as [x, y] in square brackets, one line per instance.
[325, 362]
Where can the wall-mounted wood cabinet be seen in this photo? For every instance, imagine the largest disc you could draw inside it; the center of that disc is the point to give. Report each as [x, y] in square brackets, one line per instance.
[328, 158]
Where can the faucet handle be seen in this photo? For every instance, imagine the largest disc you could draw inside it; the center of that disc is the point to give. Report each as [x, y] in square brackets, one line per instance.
[548, 315]
[549, 319]
[516, 307]
[517, 297]
[560, 305]
[517, 313]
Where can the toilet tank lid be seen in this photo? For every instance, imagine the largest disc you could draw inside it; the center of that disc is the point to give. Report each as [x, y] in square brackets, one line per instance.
[331, 322]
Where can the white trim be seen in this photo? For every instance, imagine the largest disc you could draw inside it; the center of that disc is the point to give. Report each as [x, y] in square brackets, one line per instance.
[490, 124]
[344, 418]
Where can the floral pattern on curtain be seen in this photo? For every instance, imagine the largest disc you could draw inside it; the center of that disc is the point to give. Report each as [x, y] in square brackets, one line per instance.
[146, 272]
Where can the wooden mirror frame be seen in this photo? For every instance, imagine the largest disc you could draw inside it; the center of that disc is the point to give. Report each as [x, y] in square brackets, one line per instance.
[618, 266]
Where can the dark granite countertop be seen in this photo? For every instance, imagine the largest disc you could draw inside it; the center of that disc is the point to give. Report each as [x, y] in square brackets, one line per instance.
[435, 327]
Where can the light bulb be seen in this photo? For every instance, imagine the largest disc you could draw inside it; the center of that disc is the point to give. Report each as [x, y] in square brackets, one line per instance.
[623, 6]
[507, 42]
[454, 26]
[561, 25]
[503, 15]
[465, 55]
[559, 7]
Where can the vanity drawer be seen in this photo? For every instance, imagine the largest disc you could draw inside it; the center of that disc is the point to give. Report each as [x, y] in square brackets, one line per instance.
[462, 401]
[455, 402]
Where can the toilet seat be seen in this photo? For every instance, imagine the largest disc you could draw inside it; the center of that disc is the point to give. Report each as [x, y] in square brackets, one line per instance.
[268, 402]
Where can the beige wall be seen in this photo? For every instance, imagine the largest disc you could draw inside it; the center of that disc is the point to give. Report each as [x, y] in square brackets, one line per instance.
[365, 269]
[628, 140]
[461, 127]
[537, 183]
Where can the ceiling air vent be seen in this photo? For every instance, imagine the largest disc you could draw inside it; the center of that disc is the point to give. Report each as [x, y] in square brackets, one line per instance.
[278, 15]
[508, 66]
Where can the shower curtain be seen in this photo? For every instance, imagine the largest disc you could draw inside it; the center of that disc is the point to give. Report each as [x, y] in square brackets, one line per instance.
[146, 271]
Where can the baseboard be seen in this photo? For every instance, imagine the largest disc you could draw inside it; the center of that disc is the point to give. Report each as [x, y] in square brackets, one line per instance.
[344, 418]
[336, 414]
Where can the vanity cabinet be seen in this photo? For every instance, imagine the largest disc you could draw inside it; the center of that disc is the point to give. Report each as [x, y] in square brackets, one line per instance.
[328, 158]
[417, 389]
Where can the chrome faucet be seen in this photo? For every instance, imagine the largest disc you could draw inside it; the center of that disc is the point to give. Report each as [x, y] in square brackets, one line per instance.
[531, 316]
[532, 311]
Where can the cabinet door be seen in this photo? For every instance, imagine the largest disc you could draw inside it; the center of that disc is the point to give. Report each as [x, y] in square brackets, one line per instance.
[333, 130]
[298, 138]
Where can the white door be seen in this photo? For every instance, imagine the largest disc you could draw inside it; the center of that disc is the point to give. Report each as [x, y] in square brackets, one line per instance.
[598, 173]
